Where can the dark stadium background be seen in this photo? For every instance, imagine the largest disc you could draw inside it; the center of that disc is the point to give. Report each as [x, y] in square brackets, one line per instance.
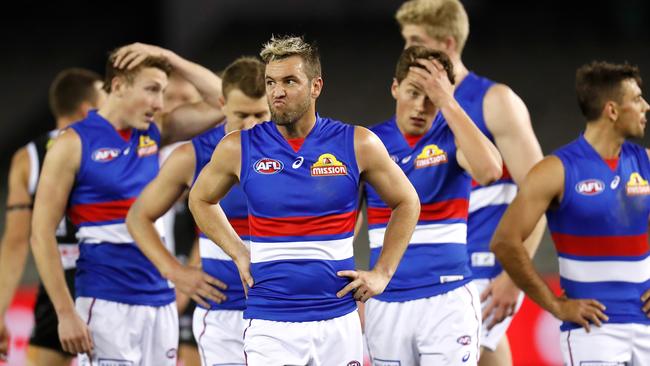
[534, 47]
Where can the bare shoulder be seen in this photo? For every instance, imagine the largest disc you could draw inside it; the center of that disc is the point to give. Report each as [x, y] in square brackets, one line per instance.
[65, 150]
[546, 178]
[503, 108]
[20, 161]
[231, 143]
[368, 148]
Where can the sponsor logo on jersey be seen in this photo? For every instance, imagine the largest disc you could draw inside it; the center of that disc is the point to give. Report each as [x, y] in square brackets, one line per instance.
[394, 158]
[590, 187]
[105, 154]
[637, 186]
[298, 163]
[615, 182]
[431, 155]
[171, 353]
[268, 166]
[147, 146]
[327, 165]
[464, 340]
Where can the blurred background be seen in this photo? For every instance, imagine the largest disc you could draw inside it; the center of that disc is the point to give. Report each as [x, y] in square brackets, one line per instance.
[534, 47]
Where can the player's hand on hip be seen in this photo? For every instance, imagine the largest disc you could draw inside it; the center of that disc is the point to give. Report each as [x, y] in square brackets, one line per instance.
[244, 267]
[133, 54]
[646, 302]
[583, 312]
[364, 285]
[198, 285]
[4, 340]
[502, 296]
[74, 333]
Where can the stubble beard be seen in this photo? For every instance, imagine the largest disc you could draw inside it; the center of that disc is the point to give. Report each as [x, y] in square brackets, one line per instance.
[289, 117]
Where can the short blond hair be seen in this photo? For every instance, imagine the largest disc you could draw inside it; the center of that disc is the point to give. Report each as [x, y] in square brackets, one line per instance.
[282, 47]
[440, 19]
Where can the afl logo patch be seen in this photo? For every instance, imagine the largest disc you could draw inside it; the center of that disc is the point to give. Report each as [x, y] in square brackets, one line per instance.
[105, 154]
[590, 187]
[268, 166]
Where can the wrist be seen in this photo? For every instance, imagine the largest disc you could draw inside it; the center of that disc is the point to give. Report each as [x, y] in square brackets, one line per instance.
[170, 269]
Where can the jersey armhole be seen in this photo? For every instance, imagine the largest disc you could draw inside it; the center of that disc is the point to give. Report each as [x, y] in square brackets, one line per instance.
[34, 168]
[244, 143]
[567, 184]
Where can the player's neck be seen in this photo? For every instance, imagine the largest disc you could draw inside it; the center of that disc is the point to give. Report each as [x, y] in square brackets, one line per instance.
[301, 127]
[110, 112]
[604, 139]
[460, 71]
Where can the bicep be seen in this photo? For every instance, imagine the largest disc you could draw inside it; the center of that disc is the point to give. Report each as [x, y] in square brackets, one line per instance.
[19, 213]
[380, 171]
[56, 180]
[541, 188]
[174, 178]
[221, 173]
[508, 120]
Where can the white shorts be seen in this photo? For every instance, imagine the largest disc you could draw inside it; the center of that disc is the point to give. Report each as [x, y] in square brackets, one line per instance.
[219, 335]
[609, 345]
[490, 338]
[129, 335]
[438, 330]
[332, 342]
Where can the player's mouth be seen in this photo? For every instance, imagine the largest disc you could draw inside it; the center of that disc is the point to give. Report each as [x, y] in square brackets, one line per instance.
[418, 122]
[149, 115]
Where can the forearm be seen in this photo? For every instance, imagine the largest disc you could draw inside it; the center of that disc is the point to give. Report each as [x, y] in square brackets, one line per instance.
[212, 221]
[13, 255]
[50, 269]
[517, 263]
[147, 238]
[481, 154]
[397, 237]
[206, 82]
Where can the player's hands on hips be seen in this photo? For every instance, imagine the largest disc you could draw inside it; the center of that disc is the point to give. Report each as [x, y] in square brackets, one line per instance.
[74, 333]
[433, 80]
[132, 55]
[364, 285]
[4, 340]
[198, 285]
[502, 296]
[646, 303]
[583, 312]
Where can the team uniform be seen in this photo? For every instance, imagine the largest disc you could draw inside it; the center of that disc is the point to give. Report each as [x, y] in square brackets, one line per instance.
[487, 204]
[219, 329]
[45, 331]
[302, 209]
[600, 231]
[429, 313]
[128, 306]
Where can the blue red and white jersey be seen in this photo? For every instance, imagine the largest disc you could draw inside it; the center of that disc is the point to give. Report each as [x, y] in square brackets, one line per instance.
[112, 174]
[302, 210]
[435, 261]
[214, 260]
[487, 203]
[600, 229]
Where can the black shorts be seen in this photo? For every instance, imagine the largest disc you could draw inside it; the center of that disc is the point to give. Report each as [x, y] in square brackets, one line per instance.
[45, 333]
[185, 334]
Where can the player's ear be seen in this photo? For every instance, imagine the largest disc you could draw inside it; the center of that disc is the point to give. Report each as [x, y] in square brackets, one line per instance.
[316, 86]
[394, 88]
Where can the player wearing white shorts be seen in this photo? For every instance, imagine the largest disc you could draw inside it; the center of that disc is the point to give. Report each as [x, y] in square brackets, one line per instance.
[430, 312]
[596, 196]
[125, 312]
[300, 173]
[218, 323]
[502, 116]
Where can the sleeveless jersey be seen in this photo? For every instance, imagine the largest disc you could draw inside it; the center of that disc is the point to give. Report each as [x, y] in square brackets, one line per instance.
[435, 261]
[600, 229]
[65, 232]
[487, 203]
[214, 260]
[302, 210]
[112, 174]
